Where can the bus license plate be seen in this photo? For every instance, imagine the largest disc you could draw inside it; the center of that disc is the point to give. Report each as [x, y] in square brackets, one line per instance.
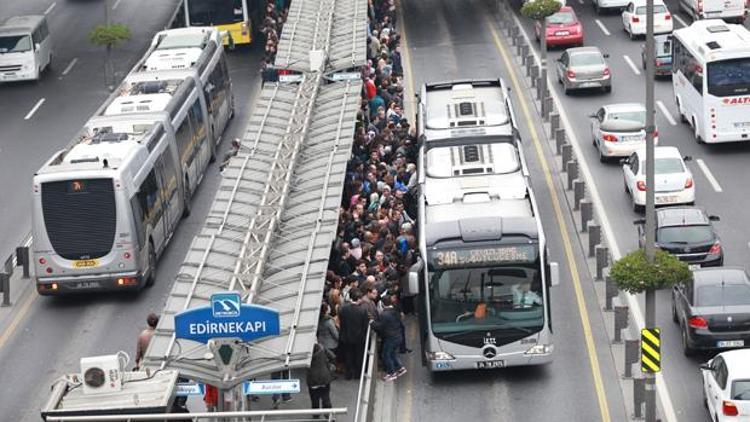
[731, 343]
[491, 364]
[88, 285]
[693, 267]
[85, 263]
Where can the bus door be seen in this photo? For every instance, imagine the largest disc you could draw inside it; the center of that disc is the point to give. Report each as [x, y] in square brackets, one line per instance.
[169, 177]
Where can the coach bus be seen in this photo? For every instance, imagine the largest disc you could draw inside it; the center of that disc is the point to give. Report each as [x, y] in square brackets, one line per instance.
[239, 18]
[711, 80]
[107, 207]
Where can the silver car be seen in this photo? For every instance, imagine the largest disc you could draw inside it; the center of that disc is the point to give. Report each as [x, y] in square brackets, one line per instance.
[583, 68]
[618, 130]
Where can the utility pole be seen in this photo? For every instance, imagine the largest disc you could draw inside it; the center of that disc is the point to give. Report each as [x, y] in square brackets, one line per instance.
[650, 316]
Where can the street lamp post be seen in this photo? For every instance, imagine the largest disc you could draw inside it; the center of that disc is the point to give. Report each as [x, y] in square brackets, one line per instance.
[650, 310]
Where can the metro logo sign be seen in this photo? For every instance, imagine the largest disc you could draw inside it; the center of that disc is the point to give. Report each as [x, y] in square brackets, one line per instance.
[736, 100]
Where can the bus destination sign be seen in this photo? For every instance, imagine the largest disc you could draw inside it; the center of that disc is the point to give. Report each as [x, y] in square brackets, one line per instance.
[495, 255]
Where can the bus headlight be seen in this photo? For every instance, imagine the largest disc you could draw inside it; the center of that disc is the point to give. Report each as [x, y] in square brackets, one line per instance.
[540, 349]
[440, 356]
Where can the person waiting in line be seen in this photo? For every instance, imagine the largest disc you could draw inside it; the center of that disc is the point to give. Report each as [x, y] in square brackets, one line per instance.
[144, 338]
[319, 379]
[524, 297]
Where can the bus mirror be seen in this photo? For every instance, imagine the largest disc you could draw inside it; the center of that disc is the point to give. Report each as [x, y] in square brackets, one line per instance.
[554, 273]
[37, 46]
[414, 282]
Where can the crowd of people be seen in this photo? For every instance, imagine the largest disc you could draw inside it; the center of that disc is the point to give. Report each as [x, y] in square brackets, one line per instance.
[277, 12]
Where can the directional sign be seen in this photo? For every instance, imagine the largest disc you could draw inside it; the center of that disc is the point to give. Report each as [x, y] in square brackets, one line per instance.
[271, 387]
[227, 317]
[651, 350]
[185, 389]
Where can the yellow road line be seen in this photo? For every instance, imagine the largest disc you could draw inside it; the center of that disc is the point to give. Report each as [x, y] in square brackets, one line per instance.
[580, 300]
[18, 318]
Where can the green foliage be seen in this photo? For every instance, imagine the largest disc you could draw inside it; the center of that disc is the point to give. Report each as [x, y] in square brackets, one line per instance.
[540, 9]
[634, 274]
[109, 36]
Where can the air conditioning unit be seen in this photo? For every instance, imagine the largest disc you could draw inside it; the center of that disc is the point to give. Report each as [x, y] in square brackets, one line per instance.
[102, 374]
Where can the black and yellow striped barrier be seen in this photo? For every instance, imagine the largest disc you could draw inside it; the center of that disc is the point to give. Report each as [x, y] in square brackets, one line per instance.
[651, 350]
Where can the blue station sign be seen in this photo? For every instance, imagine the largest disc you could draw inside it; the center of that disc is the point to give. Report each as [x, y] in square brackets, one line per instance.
[227, 317]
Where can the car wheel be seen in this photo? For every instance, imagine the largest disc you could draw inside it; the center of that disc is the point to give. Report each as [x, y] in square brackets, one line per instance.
[597, 9]
[625, 186]
[705, 399]
[631, 35]
[566, 90]
[686, 349]
[602, 158]
[608, 89]
[674, 312]
[637, 208]
[696, 133]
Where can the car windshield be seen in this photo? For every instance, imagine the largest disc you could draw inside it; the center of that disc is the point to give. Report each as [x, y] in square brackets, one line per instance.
[586, 59]
[560, 18]
[15, 44]
[625, 120]
[486, 298]
[723, 295]
[658, 8]
[667, 166]
[741, 390]
[685, 234]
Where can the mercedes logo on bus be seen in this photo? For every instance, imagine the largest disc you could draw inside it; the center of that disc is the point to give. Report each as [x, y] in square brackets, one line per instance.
[489, 352]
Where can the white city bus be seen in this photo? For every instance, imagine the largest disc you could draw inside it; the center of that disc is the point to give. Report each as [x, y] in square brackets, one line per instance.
[198, 48]
[711, 80]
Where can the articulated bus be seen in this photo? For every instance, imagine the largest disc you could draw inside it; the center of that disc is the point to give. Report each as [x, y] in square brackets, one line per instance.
[711, 79]
[105, 209]
[239, 18]
[484, 276]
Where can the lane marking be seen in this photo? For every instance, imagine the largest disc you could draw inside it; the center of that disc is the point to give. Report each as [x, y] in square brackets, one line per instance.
[70, 66]
[661, 386]
[679, 19]
[20, 314]
[710, 176]
[33, 110]
[602, 27]
[49, 9]
[117, 3]
[666, 113]
[580, 1]
[632, 65]
[569, 255]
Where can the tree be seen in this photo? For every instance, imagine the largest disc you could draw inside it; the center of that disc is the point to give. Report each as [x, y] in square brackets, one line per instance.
[539, 10]
[109, 36]
[634, 274]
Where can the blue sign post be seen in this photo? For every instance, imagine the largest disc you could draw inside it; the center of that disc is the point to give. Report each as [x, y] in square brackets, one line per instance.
[227, 317]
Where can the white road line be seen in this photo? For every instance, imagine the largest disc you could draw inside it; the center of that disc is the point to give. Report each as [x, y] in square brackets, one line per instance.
[33, 110]
[631, 64]
[580, 1]
[117, 3]
[679, 19]
[666, 113]
[70, 66]
[670, 415]
[602, 27]
[49, 9]
[711, 179]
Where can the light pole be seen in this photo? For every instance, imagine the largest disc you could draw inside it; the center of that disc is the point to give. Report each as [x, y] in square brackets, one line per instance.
[650, 310]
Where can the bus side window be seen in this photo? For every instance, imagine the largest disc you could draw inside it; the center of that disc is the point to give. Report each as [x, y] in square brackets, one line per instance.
[140, 223]
[196, 119]
[36, 36]
[148, 196]
[44, 30]
[184, 147]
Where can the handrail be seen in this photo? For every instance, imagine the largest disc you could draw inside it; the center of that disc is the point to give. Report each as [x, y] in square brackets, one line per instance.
[365, 392]
[326, 413]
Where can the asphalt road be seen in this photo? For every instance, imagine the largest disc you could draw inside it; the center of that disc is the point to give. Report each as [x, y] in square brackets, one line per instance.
[59, 331]
[449, 40]
[724, 163]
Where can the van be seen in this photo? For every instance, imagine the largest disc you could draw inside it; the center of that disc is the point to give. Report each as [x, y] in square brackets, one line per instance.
[25, 48]
[729, 10]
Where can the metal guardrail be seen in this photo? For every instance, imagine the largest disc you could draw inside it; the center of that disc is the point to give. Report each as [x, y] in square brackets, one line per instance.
[256, 415]
[366, 392]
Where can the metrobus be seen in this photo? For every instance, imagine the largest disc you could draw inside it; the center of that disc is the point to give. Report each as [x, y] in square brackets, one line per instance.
[711, 80]
[239, 18]
[199, 48]
[105, 209]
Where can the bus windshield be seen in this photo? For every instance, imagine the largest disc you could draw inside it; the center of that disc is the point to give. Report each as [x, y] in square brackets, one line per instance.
[215, 12]
[15, 44]
[506, 300]
[729, 77]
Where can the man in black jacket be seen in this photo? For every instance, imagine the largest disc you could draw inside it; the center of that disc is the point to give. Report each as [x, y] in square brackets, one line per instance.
[353, 318]
[319, 379]
[388, 326]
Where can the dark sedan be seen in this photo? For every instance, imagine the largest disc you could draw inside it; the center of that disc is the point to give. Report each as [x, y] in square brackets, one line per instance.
[688, 234]
[713, 309]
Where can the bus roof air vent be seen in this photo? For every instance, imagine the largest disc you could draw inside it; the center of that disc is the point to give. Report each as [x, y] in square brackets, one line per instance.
[109, 137]
[713, 45]
[717, 28]
[466, 109]
[471, 153]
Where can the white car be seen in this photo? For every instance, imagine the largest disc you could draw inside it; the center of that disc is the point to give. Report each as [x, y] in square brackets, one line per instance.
[601, 5]
[634, 18]
[618, 130]
[726, 386]
[673, 180]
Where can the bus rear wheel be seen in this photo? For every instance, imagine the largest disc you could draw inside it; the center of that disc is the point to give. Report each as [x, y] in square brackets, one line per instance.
[186, 206]
[151, 265]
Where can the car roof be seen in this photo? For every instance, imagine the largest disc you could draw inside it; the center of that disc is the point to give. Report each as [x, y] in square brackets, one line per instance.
[660, 152]
[730, 275]
[566, 9]
[738, 359]
[583, 50]
[643, 2]
[611, 108]
[681, 216]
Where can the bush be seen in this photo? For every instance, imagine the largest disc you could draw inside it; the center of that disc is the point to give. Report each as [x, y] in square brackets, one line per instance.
[540, 9]
[109, 36]
[634, 274]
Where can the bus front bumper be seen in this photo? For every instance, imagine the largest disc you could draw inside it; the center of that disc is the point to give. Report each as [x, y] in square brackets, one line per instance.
[56, 286]
[464, 362]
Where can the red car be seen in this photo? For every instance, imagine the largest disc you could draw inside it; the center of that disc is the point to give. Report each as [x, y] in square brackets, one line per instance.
[563, 28]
